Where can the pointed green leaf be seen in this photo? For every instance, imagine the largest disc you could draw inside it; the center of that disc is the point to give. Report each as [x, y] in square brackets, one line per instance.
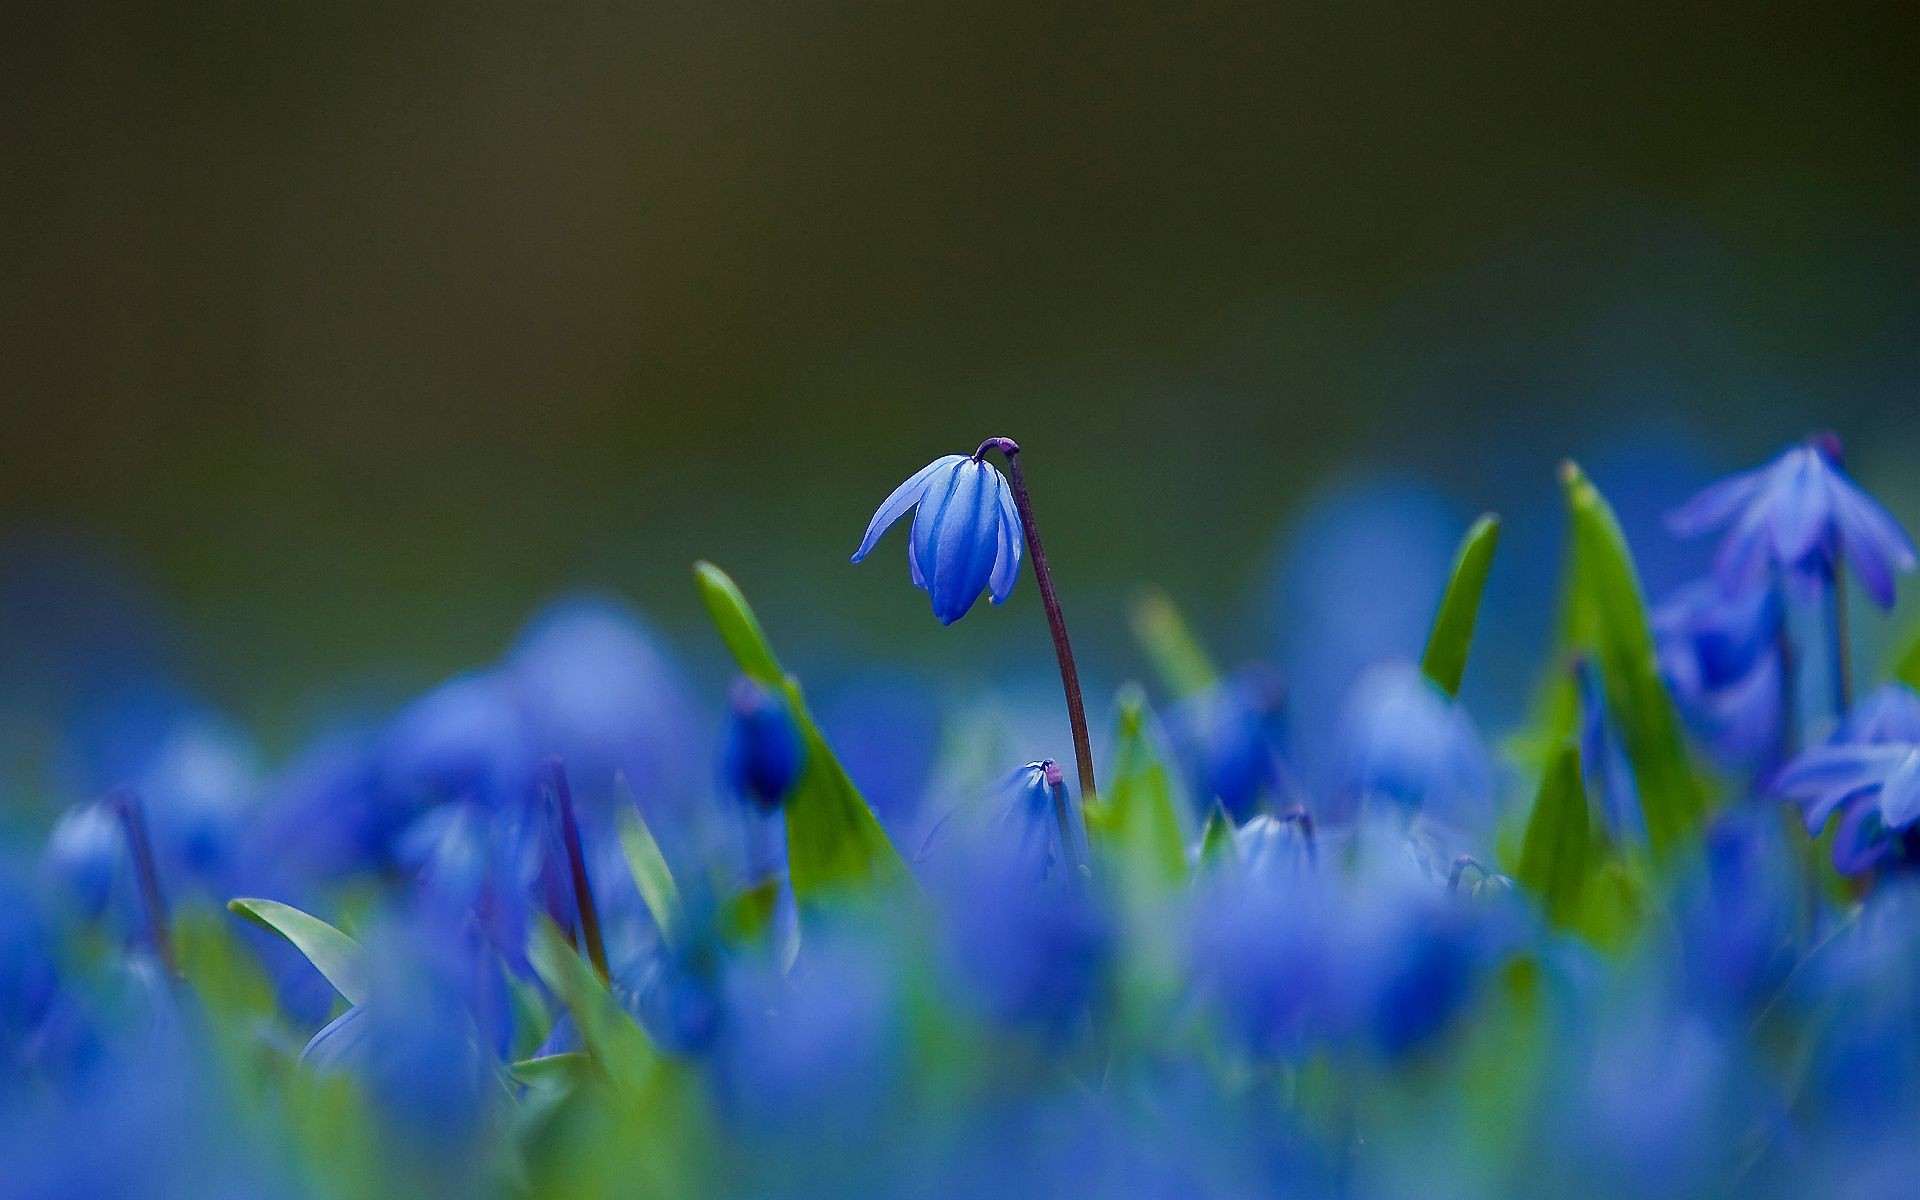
[739, 628]
[1445, 660]
[609, 1033]
[1170, 645]
[833, 838]
[1216, 840]
[552, 1070]
[1607, 618]
[647, 865]
[332, 953]
[1134, 821]
[1554, 857]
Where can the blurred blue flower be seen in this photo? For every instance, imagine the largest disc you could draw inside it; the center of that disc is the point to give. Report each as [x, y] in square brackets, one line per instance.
[1229, 736]
[424, 1040]
[966, 535]
[1719, 653]
[813, 1049]
[1736, 912]
[597, 688]
[763, 756]
[465, 740]
[1404, 740]
[82, 857]
[1870, 779]
[1799, 514]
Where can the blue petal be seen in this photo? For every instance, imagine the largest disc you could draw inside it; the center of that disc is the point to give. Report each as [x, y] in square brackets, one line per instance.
[1825, 776]
[955, 535]
[339, 1042]
[1871, 540]
[1900, 794]
[1006, 562]
[903, 498]
[1798, 506]
[1717, 504]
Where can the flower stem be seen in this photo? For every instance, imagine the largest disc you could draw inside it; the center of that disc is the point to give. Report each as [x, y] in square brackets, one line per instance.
[133, 825]
[577, 868]
[1056, 623]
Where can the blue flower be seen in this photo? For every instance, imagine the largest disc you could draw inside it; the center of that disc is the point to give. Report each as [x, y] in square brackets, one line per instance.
[1720, 656]
[1801, 514]
[966, 535]
[763, 755]
[1229, 735]
[1403, 739]
[1870, 775]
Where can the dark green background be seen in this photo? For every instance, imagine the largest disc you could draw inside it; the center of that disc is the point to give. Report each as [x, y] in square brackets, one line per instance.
[359, 329]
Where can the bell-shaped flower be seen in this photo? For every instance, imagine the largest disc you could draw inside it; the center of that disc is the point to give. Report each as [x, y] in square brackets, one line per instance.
[763, 755]
[966, 533]
[1870, 774]
[1800, 514]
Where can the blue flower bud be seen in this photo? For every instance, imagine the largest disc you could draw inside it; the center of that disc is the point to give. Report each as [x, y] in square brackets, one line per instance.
[763, 756]
[966, 533]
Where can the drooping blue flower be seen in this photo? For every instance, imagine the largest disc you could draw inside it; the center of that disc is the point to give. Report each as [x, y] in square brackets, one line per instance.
[1403, 739]
[1870, 775]
[966, 533]
[763, 755]
[1801, 514]
[1720, 655]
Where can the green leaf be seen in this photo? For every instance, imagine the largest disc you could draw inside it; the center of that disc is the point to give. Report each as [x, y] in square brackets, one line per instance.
[1445, 660]
[833, 838]
[1907, 670]
[552, 1070]
[1555, 855]
[1216, 840]
[1134, 821]
[647, 865]
[1607, 619]
[332, 953]
[610, 1035]
[1176, 654]
[739, 628]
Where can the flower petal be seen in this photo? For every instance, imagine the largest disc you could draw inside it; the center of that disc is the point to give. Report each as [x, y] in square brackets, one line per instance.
[1006, 562]
[1900, 794]
[1799, 506]
[903, 498]
[1715, 505]
[955, 537]
[1871, 540]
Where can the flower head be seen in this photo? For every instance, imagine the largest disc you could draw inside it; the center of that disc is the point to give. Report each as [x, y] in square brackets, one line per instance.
[966, 534]
[1801, 514]
[764, 755]
[1720, 655]
[1870, 775]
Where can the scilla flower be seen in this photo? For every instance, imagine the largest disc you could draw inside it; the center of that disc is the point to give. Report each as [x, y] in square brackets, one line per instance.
[1802, 514]
[966, 535]
[1870, 775]
[764, 755]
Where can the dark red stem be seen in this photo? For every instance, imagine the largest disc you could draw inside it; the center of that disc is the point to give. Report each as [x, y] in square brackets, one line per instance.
[1056, 622]
[133, 824]
[577, 868]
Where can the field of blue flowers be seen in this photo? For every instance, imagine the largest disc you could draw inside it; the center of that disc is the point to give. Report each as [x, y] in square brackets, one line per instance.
[1661, 938]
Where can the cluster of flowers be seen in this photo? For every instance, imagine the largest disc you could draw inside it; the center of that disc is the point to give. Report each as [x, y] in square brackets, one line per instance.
[513, 939]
